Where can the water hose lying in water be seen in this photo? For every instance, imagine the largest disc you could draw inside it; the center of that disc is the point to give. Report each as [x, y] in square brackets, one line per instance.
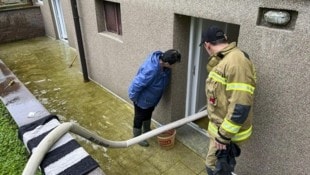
[44, 146]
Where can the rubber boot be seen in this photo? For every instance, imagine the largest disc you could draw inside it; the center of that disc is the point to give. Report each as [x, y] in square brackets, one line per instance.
[146, 126]
[137, 132]
[209, 171]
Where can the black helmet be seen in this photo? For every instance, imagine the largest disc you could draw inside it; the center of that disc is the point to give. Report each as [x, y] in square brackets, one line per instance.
[171, 56]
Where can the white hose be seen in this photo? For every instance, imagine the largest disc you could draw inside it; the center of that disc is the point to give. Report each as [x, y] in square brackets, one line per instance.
[44, 146]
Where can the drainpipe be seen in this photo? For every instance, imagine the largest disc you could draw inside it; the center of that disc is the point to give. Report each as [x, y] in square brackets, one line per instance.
[75, 14]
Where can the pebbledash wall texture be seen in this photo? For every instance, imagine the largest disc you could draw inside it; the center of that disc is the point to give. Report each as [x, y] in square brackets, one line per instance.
[280, 142]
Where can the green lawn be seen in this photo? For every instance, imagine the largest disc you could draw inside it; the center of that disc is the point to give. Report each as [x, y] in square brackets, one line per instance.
[13, 154]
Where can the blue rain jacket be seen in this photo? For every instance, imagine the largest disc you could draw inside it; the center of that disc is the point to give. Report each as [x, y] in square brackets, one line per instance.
[148, 85]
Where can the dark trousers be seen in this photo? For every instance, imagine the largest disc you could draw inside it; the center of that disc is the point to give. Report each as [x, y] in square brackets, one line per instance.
[142, 115]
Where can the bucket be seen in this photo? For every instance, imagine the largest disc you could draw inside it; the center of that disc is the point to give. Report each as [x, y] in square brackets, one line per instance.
[166, 139]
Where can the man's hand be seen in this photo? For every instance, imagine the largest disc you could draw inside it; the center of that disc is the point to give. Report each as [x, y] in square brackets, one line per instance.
[220, 146]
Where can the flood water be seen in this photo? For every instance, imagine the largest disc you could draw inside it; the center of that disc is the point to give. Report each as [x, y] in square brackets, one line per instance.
[44, 66]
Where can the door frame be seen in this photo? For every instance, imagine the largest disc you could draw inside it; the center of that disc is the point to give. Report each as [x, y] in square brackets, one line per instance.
[59, 20]
[192, 74]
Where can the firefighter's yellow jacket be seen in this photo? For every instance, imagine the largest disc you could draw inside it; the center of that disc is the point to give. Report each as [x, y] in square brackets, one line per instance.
[230, 91]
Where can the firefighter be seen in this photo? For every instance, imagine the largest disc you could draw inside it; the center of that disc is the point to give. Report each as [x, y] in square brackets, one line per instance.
[229, 90]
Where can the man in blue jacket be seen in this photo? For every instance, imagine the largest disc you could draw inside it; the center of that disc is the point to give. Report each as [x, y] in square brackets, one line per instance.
[148, 86]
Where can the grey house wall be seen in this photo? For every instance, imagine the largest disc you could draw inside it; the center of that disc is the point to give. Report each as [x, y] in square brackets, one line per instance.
[280, 142]
[49, 22]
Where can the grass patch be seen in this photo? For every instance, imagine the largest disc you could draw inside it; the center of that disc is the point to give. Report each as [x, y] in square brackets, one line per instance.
[13, 154]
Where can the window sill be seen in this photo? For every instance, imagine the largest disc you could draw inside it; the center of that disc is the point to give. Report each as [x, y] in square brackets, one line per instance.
[39, 3]
[112, 36]
[16, 7]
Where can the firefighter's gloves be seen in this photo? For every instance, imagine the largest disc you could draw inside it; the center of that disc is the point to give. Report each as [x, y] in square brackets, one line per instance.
[226, 162]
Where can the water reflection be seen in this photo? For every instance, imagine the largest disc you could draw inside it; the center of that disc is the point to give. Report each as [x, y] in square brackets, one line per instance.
[43, 65]
[45, 70]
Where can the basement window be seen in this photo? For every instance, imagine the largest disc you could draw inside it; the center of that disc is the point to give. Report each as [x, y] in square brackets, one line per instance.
[108, 17]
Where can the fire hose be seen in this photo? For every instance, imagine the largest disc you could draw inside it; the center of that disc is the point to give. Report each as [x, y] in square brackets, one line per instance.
[44, 146]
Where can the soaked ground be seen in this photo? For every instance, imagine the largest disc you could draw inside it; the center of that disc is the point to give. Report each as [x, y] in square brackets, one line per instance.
[44, 66]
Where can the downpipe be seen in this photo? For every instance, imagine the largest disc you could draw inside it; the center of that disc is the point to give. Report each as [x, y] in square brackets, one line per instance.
[45, 145]
[75, 14]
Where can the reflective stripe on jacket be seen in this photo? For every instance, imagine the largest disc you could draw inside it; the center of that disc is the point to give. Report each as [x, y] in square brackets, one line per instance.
[230, 90]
